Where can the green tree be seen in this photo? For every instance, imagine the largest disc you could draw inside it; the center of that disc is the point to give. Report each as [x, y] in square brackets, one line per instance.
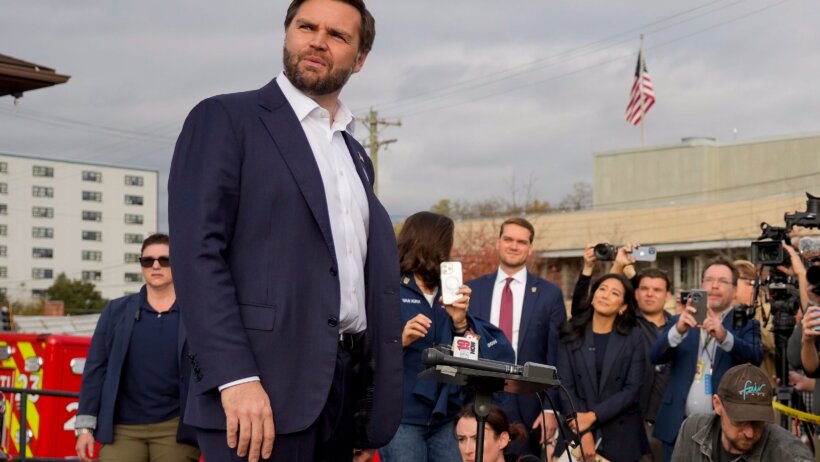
[79, 297]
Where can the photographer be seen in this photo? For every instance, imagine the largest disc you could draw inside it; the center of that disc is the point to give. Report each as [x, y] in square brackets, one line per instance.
[803, 343]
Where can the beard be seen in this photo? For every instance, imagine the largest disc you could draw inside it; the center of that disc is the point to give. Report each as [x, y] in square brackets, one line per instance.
[310, 83]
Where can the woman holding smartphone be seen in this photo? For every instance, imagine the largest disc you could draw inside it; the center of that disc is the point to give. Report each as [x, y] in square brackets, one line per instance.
[426, 430]
[601, 361]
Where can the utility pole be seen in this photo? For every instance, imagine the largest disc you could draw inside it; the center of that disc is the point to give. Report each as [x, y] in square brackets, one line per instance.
[373, 143]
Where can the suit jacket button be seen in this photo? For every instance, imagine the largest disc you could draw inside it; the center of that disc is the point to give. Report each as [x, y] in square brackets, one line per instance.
[332, 322]
[333, 271]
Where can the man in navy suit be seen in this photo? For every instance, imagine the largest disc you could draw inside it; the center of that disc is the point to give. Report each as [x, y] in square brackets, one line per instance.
[699, 354]
[286, 261]
[537, 311]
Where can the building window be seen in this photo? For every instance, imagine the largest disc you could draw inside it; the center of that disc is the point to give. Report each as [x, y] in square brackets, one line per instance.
[133, 180]
[133, 238]
[4, 188]
[42, 252]
[39, 293]
[133, 277]
[92, 255]
[92, 216]
[40, 170]
[42, 273]
[42, 212]
[131, 219]
[4, 272]
[92, 235]
[4, 167]
[92, 176]
[133, 200]
[4, 251]
[94, 196]
[4, 209]
[92, 276]
[42, 233]
[132, 257]
[42, 191]
[4, 230]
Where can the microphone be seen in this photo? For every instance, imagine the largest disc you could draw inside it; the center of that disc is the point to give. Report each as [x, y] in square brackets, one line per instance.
[434, 357]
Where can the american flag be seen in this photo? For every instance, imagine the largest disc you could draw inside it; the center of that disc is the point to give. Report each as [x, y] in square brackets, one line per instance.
[642, 95]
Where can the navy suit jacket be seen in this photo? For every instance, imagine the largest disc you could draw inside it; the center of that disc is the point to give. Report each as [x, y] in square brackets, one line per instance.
[103, 369]
[684, 358]
[256, 272]
[542, 314]
[615, 397]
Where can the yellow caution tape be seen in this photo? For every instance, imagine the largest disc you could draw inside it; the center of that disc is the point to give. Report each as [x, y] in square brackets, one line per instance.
[791, 412]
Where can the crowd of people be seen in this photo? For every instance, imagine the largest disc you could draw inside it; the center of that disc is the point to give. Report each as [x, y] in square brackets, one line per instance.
[293, 327]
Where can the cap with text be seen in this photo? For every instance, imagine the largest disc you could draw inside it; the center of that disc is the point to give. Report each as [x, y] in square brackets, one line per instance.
[746, 394]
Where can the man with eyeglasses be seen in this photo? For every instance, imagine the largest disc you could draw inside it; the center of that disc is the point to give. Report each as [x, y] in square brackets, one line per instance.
[135, 381]
[699, 354]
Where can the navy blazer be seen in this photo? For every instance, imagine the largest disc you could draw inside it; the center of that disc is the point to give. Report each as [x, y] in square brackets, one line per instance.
[256, 272]
[684, 358]
[103, 369]
[614, 398]
[542, 314]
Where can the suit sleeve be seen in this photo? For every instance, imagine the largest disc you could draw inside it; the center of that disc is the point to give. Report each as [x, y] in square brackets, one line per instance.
[569, 401]
[96, 365]
[558, 316]
[662, 352]
[748, 346]
[203, 197]
[628, 395]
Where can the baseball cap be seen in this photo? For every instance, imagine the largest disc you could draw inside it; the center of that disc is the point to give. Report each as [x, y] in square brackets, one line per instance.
[746, 394]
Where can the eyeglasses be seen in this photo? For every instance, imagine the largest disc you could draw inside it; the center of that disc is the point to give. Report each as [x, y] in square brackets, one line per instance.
[724, 282]
[147, 262]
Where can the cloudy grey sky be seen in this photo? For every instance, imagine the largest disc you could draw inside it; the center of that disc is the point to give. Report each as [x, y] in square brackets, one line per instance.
[486, 90]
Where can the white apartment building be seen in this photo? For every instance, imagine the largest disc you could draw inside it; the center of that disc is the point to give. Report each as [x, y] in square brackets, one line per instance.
[87, 220]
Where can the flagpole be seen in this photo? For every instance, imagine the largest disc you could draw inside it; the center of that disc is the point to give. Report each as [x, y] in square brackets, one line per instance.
[643, 100]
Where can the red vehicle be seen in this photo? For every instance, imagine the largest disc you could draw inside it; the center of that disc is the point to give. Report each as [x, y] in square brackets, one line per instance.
[41, 362]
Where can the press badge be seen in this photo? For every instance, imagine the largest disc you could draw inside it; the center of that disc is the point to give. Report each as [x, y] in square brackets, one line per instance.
[707, 384]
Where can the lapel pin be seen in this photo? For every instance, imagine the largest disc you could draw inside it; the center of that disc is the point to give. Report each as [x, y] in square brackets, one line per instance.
[534, 289]
[406, 280]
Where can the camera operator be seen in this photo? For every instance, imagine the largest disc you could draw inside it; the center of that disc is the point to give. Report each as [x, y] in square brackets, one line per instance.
[804, 341]
[744, 302]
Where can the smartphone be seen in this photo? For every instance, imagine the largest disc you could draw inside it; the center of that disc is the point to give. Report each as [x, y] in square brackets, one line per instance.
[451, 281]
[684, 295]
[644, 253]
[698, 299]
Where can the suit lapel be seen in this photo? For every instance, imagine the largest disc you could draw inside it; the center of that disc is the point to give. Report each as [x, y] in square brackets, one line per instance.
[614, 349]
[587, 355]
[124, 329]
[482, 300]
[292, 144]
[527, 308]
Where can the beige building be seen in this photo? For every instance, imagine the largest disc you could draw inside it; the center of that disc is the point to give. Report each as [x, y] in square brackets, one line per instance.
[692, 201]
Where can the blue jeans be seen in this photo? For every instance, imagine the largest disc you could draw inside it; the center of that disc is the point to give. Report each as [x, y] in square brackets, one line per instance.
[420, 443]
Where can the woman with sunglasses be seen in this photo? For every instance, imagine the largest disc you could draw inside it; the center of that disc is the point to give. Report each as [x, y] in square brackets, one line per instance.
[136, 376]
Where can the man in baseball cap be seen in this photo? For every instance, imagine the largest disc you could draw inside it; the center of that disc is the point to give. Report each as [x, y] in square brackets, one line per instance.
[742, 425]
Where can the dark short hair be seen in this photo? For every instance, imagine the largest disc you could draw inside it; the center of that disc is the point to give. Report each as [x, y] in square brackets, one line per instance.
[655, 273]
[522, 222]
[425, 240]
[497, 420]
[367, 25]
[156, 238]
[720, 261]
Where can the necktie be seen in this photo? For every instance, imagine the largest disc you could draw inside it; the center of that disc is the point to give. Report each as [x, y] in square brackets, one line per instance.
[505, 319]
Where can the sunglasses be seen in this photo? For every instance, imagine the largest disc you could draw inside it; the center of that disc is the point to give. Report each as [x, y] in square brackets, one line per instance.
[148, 262]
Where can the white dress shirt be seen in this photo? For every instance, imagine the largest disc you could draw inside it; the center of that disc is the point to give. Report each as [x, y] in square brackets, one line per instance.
[517, 286]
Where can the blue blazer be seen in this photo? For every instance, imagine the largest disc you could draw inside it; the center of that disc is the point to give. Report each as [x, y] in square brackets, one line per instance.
[747, 348]
[256, 272]
[103, 369]
[615, 397]
[542, 314]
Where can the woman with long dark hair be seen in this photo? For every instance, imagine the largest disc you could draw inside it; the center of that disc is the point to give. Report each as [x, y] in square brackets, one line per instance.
[426, 430]
[601, 361]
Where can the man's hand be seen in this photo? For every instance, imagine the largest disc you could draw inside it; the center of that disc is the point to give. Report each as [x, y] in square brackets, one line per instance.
[552, 426]
[363, 455]
[686, 320]
[714, 327]
[85, 447]
[249, 419]
[458, 310]
[415, 329]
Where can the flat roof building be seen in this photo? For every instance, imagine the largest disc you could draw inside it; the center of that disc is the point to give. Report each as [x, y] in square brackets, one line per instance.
[85, 219]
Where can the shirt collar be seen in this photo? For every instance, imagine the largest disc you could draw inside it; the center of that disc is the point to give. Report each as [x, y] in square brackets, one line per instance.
[304, 105]
[520, 276]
